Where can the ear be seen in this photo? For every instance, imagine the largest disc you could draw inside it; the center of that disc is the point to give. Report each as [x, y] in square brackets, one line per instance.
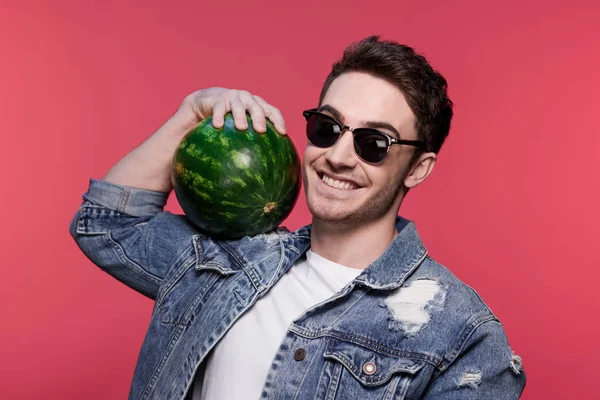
[420, 170]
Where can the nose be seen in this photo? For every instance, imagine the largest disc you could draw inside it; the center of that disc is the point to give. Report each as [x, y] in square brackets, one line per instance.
[342, 154]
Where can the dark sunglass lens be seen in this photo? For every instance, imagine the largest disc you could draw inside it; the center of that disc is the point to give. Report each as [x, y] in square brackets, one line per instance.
[371, 146]
[321, 131]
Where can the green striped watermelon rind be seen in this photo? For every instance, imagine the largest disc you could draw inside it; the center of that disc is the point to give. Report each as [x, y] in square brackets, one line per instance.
[233, 183]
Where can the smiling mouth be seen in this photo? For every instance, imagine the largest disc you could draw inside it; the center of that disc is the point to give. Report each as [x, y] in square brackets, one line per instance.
[337, 184]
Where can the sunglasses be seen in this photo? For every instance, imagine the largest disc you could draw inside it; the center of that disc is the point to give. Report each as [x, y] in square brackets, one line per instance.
[370, 144]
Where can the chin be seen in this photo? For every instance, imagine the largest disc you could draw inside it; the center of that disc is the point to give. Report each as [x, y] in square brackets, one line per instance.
[329, 211]
[349, 213]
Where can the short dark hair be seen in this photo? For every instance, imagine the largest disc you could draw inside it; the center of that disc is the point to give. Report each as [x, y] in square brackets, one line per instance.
[424, 88]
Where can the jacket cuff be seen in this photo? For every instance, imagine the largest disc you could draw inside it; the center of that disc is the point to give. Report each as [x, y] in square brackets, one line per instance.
[125, 199]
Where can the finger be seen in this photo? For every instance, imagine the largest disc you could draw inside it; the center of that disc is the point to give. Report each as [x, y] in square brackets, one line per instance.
[219, 110]
[239, 114]
[274, 115]
[257, 113]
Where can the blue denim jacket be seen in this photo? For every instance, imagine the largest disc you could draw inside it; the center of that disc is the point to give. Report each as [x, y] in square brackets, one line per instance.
[405, 328]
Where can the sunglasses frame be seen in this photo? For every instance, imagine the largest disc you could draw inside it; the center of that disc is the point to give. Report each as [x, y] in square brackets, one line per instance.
[390, 139]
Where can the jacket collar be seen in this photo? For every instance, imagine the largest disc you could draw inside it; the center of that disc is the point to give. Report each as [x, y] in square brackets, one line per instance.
[390, 270]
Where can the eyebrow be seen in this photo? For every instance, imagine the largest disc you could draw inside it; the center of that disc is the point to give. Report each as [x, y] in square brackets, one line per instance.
[367, 124]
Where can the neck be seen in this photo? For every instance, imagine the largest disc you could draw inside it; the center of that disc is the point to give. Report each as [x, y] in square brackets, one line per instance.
[353, 246]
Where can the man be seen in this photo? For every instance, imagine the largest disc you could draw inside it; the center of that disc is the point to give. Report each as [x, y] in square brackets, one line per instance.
[350, 307]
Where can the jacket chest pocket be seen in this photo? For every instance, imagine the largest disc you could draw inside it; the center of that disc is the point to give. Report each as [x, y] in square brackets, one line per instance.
[355, 372]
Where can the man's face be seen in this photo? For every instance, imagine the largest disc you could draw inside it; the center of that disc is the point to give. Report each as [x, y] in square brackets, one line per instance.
[355, 99]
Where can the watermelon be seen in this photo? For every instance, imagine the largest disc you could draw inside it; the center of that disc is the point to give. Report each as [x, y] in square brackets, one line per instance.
[232, 183]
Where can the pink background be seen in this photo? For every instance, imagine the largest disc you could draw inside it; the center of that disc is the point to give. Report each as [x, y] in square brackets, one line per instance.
[511, 208]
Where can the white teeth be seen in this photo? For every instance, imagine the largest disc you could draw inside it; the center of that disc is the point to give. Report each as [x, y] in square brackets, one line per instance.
[338, 184]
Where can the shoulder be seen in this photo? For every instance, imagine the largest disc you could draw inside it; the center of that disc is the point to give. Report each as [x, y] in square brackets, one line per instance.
[447, 312]
[461, 300]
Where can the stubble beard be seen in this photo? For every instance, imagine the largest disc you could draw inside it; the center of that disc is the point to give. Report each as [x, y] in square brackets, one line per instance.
[376, 206]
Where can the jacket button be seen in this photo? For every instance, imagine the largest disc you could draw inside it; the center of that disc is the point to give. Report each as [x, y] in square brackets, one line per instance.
[369, 368]
[299, 354]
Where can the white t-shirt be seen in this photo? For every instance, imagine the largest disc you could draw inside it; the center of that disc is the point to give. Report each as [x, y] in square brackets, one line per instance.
[238, 365]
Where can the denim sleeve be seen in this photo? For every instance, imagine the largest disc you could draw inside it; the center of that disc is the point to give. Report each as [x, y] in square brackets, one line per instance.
[124, 232]
[486, 368]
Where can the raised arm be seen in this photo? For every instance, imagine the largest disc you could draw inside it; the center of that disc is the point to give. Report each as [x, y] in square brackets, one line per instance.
[148, 166]
[120, 226]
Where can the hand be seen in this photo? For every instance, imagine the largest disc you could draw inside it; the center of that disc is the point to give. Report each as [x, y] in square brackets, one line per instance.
[219, 101]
